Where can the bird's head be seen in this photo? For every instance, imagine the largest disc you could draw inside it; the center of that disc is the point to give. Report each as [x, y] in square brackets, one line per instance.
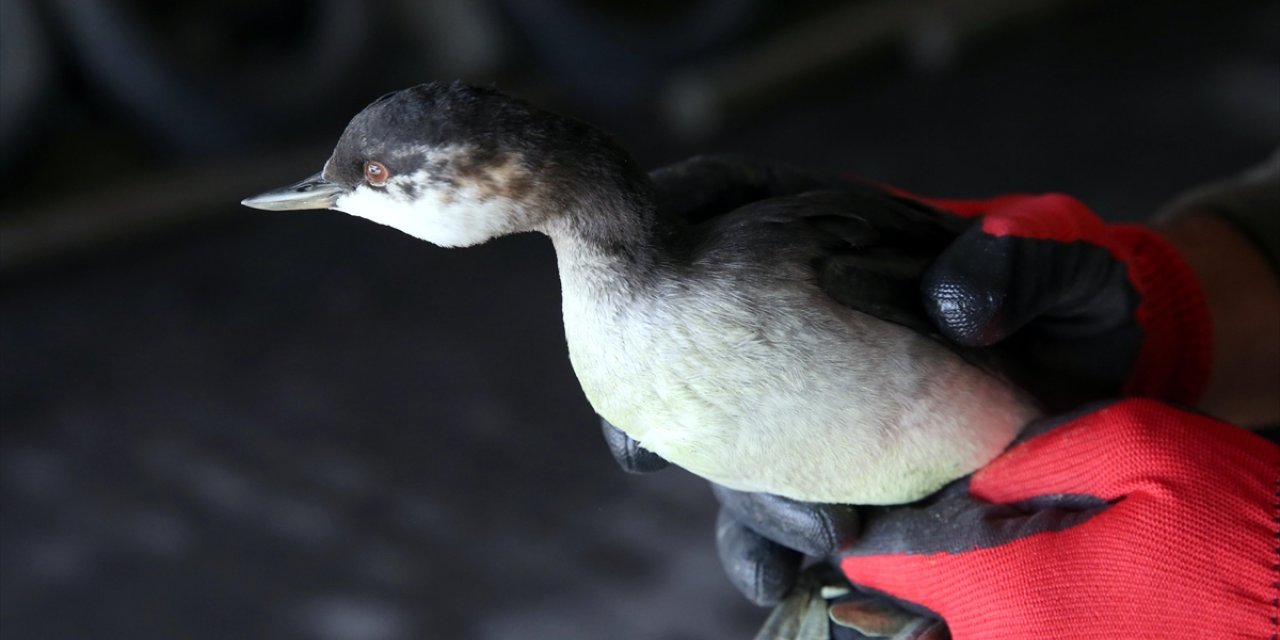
[457, 165]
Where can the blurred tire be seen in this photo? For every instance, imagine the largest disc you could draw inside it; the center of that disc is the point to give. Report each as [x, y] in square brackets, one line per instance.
[215, 76]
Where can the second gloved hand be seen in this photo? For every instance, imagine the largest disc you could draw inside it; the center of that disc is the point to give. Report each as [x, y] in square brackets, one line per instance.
[1136, 520]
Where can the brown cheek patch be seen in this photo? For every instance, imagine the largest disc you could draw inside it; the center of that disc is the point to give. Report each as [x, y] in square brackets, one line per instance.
[512, 180]
[471, 164]
[501, 177]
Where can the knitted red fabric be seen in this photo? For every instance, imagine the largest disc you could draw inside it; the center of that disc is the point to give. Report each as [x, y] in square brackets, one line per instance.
[1176, 353]
[1189, 548]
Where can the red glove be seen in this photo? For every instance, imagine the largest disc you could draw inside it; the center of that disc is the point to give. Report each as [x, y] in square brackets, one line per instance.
[1083, 303]
[1136, 520]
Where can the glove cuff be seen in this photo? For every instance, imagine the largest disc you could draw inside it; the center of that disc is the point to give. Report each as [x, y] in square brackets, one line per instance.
[1176, 353]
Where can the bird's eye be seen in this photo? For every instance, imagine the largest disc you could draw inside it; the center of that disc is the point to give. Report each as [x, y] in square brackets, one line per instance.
[376, 173]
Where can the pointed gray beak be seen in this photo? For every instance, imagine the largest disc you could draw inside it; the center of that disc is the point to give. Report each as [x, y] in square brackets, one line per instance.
[313, 193]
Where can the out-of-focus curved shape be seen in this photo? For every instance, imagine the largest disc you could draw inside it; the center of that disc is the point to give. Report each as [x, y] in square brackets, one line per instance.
[207, 105]
[24, 74]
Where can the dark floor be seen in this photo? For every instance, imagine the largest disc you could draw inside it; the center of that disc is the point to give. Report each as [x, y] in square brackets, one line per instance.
[308, 426]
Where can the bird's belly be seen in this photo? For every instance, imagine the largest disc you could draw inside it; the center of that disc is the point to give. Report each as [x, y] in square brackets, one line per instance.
[843, 409]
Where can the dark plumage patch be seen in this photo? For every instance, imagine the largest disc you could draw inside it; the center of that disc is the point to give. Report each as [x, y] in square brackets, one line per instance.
[487, 122]
[409, 189]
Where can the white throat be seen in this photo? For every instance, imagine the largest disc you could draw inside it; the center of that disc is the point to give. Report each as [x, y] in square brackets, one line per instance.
[455, 200]
[447, 219]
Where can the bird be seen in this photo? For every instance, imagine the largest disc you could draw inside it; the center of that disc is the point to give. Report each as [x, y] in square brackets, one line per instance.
[779, 346]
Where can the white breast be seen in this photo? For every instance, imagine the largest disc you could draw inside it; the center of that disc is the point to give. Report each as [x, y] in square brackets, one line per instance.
[826, 406]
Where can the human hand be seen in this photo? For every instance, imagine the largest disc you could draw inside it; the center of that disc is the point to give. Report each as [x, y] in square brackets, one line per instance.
[1135, 520]
[1088, 310]
[1230, 234]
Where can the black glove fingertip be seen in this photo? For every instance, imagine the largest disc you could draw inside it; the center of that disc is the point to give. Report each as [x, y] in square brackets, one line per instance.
[970, 287]
[966, 289]
[763, 570]
[815, 529]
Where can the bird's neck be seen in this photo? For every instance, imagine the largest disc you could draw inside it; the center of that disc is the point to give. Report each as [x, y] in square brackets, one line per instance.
[602, 216]
[613, 243]
[605, 261]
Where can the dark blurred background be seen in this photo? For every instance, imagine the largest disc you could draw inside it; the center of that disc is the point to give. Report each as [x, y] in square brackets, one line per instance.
[220, 423]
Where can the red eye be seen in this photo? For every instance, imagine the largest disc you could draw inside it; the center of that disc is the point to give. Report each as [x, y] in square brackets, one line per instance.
[376, 173]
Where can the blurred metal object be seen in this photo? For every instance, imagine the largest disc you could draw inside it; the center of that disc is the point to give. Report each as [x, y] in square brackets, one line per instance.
[822, 606]
[24, 73]
[698, 100]
[208, 105]
[800, 616]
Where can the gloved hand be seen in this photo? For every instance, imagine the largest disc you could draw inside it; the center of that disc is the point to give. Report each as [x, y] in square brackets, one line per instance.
[1135, 520]
[1091, 310]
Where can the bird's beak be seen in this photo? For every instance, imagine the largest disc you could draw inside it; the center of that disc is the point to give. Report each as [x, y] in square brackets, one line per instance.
[313, 193]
